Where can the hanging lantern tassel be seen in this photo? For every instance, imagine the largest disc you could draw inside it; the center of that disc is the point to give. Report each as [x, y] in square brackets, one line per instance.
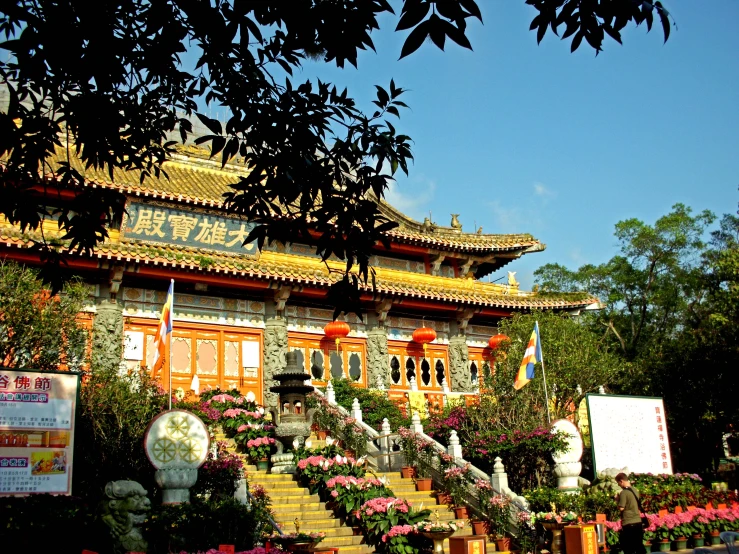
[423, 336]
[336, 330]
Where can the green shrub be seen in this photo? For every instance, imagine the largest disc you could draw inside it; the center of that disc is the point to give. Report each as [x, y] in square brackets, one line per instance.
[114, 412]
[202, 525]
[375, 405]
[47, 523]
[219, 477]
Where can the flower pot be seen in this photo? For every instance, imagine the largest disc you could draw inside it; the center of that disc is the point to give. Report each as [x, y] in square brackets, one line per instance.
[460, 512]
[715, 538]
[503, 545]
[407, 472]
[443, 498]
[263, 464]
[698, 541]
[423, 484]
[479, 527]
[349, 453]
[664, 545]
[321, 435]
[648, 546]
[681, 543]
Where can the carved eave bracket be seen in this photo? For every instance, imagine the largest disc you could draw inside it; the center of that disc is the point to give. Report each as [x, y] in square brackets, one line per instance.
[382, 309]
[282, 294]
[463, 319]
[115, 279]
[466, 266]
[435, 261]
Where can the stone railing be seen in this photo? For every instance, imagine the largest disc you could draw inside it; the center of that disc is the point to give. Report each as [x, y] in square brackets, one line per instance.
[384, 453]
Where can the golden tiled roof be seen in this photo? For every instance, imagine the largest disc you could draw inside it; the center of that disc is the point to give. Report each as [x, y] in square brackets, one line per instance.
[289, 268]
[194, 179]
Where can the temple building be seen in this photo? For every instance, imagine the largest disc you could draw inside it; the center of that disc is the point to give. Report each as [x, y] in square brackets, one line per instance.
[237, 310]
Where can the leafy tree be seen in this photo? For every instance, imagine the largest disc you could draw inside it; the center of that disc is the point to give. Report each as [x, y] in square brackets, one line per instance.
[697, 375]
[646, 288]
[108, 80]
[672, 312]
[39, 330]
[576, 359]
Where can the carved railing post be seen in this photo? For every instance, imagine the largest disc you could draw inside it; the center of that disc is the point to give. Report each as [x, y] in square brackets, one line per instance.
[499, 478]
[330, 394]
[416, 425]
[356, 410]
[454, 449]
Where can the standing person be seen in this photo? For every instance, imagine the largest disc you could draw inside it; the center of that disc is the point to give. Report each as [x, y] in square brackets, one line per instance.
[632, 532]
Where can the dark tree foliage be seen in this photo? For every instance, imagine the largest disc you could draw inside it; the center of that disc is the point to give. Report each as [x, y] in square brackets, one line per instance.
[106, 79]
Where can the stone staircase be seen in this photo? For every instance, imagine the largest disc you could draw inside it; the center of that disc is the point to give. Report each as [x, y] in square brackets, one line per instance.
[290, 501]
[406, 489]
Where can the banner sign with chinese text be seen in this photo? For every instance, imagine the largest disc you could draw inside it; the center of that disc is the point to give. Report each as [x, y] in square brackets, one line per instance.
[37, 412]
[629, 431]
[169, 225]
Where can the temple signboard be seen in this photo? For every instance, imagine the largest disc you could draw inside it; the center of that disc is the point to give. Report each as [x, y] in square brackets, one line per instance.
[163, 224]
[37, 411]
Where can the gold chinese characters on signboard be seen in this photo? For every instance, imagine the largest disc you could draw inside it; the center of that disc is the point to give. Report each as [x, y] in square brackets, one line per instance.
[168, 225]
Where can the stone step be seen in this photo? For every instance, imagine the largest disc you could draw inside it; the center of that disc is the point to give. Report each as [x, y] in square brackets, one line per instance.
[280, 485]
[290, 515]
[354, 540]
[319, 524]
[360, 549]
[420, 496]
[297, 506]
[262, 476]
[280, 499]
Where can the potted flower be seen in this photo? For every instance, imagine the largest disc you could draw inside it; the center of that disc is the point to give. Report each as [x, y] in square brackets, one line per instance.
[648, 538]
[457, 481]
[409, 448]
[438, 531]
[355, 439]
[259, 449]
[484, 491]
[297, 540]
[498, 509]
[662, 533]
[426, 459]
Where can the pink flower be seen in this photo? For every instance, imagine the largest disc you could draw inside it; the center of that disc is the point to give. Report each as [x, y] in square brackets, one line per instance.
[334, 493]
[242, 428]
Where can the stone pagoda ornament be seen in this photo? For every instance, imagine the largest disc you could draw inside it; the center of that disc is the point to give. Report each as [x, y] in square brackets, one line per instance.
[291, 418]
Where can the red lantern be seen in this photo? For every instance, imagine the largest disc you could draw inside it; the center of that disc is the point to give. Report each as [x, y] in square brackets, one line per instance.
[336, 330]
[423, 336]
[496, 340]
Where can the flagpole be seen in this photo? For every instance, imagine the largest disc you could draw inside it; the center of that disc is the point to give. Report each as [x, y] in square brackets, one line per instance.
[169, 356]
[544, 374]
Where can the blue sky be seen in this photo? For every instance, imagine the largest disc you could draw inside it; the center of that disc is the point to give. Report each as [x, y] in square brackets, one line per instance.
[517, 137]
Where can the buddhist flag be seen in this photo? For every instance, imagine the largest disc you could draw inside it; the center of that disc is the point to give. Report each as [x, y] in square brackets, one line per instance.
[530, 358]
[165, 328]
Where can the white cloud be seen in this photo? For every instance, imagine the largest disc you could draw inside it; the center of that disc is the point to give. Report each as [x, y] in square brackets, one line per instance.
[506, 220]
[576, 256]
[542, 191]
[413, 203]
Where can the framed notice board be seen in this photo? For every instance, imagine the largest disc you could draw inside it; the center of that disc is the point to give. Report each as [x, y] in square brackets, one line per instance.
[629, 431]
[37, 418]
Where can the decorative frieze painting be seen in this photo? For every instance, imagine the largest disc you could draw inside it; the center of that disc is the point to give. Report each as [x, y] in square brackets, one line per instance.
[138, 302]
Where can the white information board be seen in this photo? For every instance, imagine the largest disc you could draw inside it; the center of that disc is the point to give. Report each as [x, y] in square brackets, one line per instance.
[629, 431]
